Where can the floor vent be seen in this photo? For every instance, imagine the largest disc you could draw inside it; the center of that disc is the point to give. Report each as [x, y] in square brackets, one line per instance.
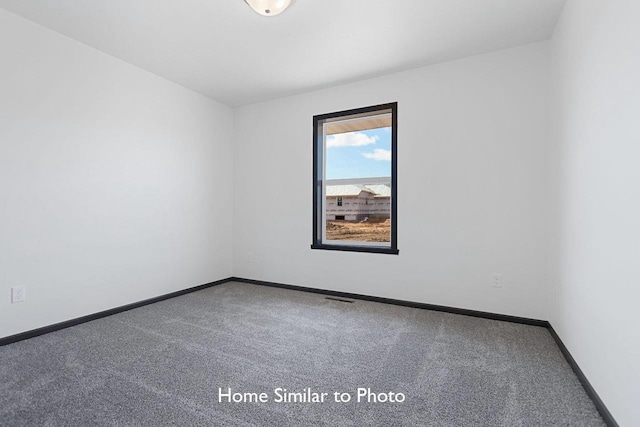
[339, 299]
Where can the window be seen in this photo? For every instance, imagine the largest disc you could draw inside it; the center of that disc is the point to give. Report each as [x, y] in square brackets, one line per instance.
[355, 164]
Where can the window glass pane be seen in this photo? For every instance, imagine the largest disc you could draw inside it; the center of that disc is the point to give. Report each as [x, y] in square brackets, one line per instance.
[358, 185]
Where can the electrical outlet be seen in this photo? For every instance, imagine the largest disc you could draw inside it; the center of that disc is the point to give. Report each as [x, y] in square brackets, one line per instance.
[497, 280]
[18, 294]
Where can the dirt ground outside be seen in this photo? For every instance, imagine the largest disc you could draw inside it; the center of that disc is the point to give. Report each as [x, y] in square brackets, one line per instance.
[359, 231]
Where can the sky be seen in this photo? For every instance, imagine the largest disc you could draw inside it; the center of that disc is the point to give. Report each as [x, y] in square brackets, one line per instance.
[360, 154]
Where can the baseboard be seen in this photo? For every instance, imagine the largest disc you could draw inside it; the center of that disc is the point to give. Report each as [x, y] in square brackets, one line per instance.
[454, 310]
[600, 406]
[77, 321]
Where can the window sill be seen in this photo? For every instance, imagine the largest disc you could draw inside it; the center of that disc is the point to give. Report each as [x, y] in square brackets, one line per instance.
[354, 248]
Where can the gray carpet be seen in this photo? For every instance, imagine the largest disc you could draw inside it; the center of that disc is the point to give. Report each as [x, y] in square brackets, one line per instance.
[162, 364]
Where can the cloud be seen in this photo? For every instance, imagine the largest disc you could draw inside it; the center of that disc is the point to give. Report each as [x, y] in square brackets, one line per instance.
[379, 154]
[351, 139]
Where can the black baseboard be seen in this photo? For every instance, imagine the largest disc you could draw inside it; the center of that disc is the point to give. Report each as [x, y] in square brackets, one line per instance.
[454, 310]
[600, 406]
[588, 388]
[68, 323]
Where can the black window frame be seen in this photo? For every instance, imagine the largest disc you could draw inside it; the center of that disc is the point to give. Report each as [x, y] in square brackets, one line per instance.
[318, 203]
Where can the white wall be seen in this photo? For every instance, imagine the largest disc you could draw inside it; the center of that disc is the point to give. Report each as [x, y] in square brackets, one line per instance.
[596, 273]
[473, 157]
[114, 183]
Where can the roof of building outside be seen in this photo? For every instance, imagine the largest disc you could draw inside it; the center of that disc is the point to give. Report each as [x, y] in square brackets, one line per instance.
[380, 190]
[377, 190]
[346, 190]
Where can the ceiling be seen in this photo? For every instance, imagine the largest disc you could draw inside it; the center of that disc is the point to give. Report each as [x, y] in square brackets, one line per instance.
[226, 51]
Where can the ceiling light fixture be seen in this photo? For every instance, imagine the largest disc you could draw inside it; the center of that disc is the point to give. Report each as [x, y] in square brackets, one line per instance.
[269, 7]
